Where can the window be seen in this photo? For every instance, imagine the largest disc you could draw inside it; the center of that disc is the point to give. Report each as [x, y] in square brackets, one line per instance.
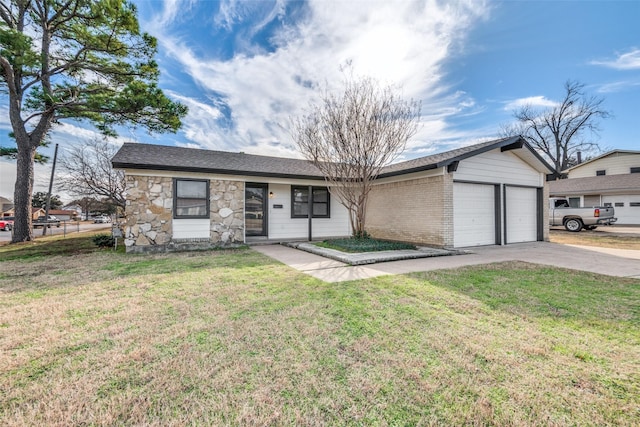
[635, 204]
[601, 172]
[191, 198]
[607, 205]
[574, 202]
[619, 204]
[300, 202]
[635, 170]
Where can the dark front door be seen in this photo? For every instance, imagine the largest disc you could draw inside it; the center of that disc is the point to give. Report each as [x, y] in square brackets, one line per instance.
[255, 209]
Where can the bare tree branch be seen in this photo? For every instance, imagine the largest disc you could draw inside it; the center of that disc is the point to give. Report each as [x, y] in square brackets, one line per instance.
[558, 132]
[88, 172]
[351, 136]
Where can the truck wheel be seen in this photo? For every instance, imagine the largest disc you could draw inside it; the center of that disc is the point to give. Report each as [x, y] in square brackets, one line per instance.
[573, 224]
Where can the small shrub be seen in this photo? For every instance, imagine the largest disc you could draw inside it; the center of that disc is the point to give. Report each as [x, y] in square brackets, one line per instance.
[104, 240]
[361, 235]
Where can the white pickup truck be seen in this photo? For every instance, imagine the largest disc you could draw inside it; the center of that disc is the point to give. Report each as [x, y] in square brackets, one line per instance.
[575, 219]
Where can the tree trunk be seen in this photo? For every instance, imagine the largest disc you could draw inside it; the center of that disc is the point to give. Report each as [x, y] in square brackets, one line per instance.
[22, 230]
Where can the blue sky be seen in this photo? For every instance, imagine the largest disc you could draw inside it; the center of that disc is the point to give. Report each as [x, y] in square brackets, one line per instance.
[245, 68]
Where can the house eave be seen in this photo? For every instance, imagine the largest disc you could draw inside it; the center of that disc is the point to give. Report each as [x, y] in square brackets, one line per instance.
[118, 165]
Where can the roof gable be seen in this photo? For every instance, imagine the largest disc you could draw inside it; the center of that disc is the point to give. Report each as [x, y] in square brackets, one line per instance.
[516, 143]
[600, 157]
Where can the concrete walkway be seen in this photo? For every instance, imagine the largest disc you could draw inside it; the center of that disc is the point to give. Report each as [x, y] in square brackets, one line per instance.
[612, 262]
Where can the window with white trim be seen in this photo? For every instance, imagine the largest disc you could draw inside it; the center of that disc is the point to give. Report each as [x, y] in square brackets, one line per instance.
[190, 198]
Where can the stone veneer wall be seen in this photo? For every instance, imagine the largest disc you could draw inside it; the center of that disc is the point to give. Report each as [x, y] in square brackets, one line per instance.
[149, 213]
[417, 211]
[227, 212]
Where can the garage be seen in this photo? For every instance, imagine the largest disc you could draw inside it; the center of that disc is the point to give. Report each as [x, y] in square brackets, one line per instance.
[627, 208]
[521, 214]
[474, 214]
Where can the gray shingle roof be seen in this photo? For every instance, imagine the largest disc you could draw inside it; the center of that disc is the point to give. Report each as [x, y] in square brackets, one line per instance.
[160, 157]
[624, 183]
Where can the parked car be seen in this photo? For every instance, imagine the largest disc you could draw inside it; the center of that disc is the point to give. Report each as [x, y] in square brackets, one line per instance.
[575, 219]
[102, 219]
[6, 223]
[42, 221]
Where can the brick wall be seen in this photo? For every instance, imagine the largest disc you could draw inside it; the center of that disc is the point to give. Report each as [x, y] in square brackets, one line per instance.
[545, 211]
[418, 211]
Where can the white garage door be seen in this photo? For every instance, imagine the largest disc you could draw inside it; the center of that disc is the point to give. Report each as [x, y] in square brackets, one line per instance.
[627, 208]
[521, 215]
[474, 215]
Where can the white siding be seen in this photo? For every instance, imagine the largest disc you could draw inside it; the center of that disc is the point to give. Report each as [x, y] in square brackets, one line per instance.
[519, 201]
[627, 214]
[521, 214]
[474, 216]
[282, 226]
[191, 228]
[614, 164]
[498, 167]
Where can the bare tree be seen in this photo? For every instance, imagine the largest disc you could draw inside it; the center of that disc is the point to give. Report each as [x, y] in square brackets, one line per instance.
[88, 172]
[351, 136]
[558, 132]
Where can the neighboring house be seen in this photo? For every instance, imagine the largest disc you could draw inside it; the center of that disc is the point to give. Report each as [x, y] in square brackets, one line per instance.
[64, 214]
[37, 213]
[77, 210]
[486, 194]
[5, 206]
[612, 179]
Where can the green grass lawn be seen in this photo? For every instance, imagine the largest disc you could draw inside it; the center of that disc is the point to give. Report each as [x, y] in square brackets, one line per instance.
[235, 338]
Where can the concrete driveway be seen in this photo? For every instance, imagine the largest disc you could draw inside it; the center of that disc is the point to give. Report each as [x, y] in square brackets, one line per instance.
[612, 262]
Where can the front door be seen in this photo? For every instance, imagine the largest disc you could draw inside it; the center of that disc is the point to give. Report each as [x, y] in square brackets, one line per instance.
[255, 209]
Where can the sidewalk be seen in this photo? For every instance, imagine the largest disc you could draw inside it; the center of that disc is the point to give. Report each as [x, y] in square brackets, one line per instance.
[602, 261]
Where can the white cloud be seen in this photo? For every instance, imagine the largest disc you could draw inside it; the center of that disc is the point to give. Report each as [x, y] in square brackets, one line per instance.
[172, 12]
[402, 43]
[624, 61]
[531, 101]
[618, 86]
[66, 135]
[232, 12]
[42, 174]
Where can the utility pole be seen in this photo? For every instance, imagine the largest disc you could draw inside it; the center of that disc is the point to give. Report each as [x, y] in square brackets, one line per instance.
[46, 209]
[310, 212]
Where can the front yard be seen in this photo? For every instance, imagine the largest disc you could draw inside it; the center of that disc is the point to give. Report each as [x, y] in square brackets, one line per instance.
[597, 237]
[233, 337]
